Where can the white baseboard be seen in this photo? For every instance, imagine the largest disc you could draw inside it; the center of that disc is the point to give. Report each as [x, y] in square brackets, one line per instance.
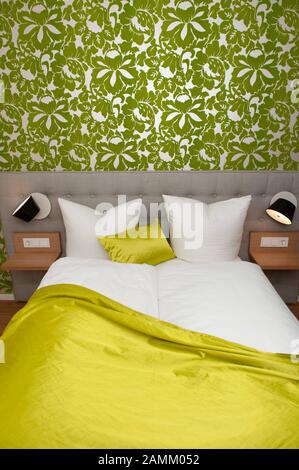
[7, 297]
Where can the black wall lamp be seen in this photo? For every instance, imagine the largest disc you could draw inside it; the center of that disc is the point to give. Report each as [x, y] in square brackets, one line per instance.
[36, 206]
[282, 207]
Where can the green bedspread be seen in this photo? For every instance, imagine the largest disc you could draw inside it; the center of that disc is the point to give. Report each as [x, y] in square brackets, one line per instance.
[83, 371]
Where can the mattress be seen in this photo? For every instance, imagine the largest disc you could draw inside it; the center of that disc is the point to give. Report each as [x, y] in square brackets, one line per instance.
[230, 300]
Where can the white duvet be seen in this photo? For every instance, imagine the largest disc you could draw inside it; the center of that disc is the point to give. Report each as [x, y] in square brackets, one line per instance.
[231, 300]
[133, 285]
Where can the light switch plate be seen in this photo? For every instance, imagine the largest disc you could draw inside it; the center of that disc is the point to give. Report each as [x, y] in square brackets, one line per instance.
[274, 242]
[36, 242]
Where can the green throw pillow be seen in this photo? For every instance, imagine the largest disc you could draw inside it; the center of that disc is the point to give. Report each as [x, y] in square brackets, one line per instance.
[145, 244]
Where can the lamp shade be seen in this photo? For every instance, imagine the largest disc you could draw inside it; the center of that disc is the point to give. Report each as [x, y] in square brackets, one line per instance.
[282, 208]
[44, 205]
[27, 210]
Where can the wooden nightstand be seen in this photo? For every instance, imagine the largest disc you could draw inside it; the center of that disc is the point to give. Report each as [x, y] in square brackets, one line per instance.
[278, 261]
[33, 251]
[285, 257]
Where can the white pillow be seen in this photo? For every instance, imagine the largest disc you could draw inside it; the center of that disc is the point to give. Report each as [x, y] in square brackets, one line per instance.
[81, 222]
[206, 232]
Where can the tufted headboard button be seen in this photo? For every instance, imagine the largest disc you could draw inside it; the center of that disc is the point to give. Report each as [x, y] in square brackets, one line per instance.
[92, 196]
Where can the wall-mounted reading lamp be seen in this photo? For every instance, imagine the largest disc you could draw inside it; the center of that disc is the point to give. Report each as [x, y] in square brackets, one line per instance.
[36, 206]
[282, 207]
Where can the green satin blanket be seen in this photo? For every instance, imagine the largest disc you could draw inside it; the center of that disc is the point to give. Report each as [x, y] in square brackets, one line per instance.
[83, 371]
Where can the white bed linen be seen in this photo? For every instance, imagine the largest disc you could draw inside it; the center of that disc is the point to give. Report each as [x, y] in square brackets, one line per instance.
[232, 300]
[133, 285]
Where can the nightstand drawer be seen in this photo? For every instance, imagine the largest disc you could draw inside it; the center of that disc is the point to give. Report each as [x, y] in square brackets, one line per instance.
[34, 251]
[277, 261]
[29, 262]
[272, 257]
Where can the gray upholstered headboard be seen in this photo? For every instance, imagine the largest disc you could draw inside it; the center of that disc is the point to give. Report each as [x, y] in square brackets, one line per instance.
[91, 188]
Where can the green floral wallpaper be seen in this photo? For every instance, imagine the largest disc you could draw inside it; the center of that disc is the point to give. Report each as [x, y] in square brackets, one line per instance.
[149, 85]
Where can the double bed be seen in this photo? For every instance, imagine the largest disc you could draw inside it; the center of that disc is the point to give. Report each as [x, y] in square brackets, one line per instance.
[177, 355]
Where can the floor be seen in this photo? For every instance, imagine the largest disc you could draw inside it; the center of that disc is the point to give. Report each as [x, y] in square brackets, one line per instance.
[9, 307]
[295, 309]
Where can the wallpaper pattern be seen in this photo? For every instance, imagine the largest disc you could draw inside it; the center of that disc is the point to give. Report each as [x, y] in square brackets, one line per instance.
[148, 84]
